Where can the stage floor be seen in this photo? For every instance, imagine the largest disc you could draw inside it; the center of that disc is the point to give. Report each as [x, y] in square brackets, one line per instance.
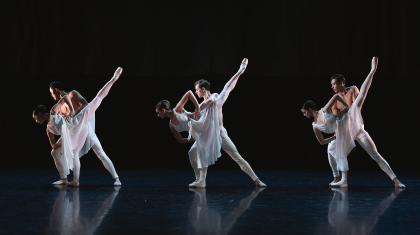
[160, 202]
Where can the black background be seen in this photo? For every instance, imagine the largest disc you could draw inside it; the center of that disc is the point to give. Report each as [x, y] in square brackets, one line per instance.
[293, 48]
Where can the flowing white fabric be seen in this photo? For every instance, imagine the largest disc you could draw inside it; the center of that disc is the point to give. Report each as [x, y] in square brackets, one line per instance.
[326, 122]
[75, 131]
[207, 130]
[206, 133]
[348, 127]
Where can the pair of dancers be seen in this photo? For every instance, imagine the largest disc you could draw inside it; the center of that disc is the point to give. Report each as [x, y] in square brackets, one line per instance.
[73, 118]
[342, 117]
[205, 128]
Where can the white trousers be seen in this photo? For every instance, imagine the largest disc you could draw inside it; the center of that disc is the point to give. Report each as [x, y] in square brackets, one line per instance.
[229, 147]
[331, 159]
[63, 170]
[366, 142]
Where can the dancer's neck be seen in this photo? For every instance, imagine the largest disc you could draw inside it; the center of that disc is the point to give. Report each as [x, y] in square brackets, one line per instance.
[207, 95]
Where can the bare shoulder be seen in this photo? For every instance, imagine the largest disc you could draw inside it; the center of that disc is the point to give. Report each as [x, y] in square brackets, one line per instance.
[75, 93]
[354, 89]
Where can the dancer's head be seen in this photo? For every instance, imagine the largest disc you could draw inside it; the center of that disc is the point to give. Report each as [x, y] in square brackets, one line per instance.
[338, 82]
[56, 88]
[201, 86]
[163, 108]
[40, 114]
[309, 108]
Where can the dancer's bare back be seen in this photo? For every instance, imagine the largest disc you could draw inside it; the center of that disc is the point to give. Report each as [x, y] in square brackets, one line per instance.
[349, 97]
[74, 99]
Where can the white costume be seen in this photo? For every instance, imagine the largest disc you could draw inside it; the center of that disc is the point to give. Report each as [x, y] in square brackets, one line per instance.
[350, 128]
[213, 136]
[78, 137]
[206, 133]
[326, 123]
[210, 136]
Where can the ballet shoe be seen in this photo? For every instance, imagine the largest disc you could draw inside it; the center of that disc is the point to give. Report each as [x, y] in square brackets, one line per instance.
[117, 182]
[259, 183]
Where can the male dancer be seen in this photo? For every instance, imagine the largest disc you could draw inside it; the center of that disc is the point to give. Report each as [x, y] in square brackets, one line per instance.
[202, 89]
[78, 126]
[350, 127]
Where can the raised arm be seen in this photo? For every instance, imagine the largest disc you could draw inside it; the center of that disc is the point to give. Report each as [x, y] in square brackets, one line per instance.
[230, 85]
[320, 137]
[187, 96]
[77, 98]
[366, 84]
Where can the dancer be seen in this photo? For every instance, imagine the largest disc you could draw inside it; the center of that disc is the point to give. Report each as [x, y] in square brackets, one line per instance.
[323, 122]
[212, 134]
[78, 131]
[350, 126]
[179, 118]
[42, 115]
[76, 102]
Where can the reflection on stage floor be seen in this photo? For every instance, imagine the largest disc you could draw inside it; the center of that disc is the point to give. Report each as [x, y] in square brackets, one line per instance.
[160, 202]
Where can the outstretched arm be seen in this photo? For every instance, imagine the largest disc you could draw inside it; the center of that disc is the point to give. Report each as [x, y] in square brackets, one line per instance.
[320, 137]
[188, 96]
[179, 137]
[366, 84]
[230, 85]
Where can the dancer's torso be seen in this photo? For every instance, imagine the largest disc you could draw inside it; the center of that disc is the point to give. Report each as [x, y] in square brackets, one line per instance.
[183, 119]
[349, 96]
[325, 122]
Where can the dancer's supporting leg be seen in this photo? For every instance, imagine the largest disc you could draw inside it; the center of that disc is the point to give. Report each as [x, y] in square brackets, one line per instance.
[333, 162]
[369, 146]
[106, 161]
[61, 166]
[192, 155]
[229, 147]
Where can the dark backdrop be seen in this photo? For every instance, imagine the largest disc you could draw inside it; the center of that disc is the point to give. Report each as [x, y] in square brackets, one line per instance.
[293, 48]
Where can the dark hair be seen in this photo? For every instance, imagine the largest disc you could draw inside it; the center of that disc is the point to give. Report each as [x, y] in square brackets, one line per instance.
[338, 77]
[309, 104]
[163, 104]
[203, 83]
[40, 109]
[57, 85]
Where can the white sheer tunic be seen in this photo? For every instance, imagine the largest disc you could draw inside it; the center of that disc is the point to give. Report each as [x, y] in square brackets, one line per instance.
[348, 127]
[326, 122]
[75, 131]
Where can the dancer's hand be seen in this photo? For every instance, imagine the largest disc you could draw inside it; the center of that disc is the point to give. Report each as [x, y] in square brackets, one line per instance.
[374, 64]
[117, 74]
[243, 65]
